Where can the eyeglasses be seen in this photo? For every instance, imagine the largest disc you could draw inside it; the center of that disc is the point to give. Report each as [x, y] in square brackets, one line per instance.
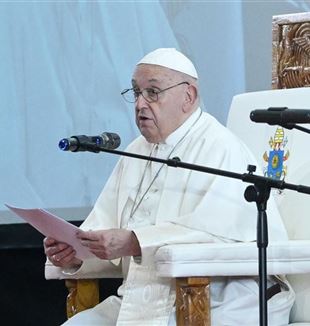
[131, 95]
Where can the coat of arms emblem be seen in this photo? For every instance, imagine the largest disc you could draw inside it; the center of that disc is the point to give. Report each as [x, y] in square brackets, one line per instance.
[276, 158]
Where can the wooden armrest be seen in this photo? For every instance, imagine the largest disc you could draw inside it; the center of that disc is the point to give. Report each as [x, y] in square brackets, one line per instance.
[83, 294]
[193, 301]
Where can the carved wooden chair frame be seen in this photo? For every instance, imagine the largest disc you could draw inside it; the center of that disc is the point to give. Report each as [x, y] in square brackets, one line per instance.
[291, 51]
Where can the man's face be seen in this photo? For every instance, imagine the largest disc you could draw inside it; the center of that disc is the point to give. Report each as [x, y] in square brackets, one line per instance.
[157, 120]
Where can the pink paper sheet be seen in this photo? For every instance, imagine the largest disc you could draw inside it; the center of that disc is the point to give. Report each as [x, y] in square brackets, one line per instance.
[53, 226]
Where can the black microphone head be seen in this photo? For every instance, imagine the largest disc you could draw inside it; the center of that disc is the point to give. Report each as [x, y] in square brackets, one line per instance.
[281, 116]
[270, 116]
[110, 140]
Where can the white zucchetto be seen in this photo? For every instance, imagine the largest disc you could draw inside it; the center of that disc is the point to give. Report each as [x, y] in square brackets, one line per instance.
[172, 59]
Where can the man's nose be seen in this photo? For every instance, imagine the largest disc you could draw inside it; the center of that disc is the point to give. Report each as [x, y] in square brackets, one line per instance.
[141, 102]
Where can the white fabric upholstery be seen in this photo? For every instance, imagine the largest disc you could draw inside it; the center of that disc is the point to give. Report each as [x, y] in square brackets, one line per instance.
[294, 207]
[224, 259]
[106, 270]
[292, 257]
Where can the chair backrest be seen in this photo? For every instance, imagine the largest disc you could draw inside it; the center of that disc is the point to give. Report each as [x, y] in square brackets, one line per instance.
[281, 153]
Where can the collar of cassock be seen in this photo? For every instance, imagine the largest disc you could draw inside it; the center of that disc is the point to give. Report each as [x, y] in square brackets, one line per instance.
[180, 132]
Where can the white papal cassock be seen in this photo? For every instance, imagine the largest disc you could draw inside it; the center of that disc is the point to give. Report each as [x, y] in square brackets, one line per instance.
[165, 205]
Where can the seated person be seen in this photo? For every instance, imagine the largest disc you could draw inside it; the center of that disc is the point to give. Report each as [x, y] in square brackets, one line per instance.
[145, 205]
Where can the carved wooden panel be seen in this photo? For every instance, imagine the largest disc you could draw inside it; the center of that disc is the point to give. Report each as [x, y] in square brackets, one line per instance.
[193, 301]
[291, 51]
[83, 294]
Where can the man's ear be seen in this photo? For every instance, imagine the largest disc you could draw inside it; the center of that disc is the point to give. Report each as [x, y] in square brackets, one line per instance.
[190, 98]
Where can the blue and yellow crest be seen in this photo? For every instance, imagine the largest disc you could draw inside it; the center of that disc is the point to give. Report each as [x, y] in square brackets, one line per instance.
[276, 158]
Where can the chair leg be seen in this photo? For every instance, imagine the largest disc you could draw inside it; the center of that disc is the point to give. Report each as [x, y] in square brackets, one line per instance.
[193, 301]
[83, 294]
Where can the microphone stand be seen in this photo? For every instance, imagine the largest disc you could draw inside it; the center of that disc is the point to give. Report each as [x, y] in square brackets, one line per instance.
[293, 125]
[259, 192]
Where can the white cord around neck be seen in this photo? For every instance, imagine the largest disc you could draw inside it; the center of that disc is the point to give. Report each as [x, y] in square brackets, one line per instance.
[136, 204]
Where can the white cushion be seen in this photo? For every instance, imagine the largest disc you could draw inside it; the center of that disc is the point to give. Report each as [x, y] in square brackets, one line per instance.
[224, 259]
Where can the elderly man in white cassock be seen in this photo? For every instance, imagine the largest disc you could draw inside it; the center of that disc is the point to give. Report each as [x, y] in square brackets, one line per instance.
[145, 205]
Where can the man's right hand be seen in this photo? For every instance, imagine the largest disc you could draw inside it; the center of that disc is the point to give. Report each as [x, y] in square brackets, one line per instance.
[60, 254]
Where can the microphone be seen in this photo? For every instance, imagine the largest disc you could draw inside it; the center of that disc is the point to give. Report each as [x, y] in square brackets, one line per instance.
[280, 116]
[82, 143]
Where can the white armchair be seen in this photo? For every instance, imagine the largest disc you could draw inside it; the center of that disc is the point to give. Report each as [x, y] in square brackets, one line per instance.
[192, 263]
